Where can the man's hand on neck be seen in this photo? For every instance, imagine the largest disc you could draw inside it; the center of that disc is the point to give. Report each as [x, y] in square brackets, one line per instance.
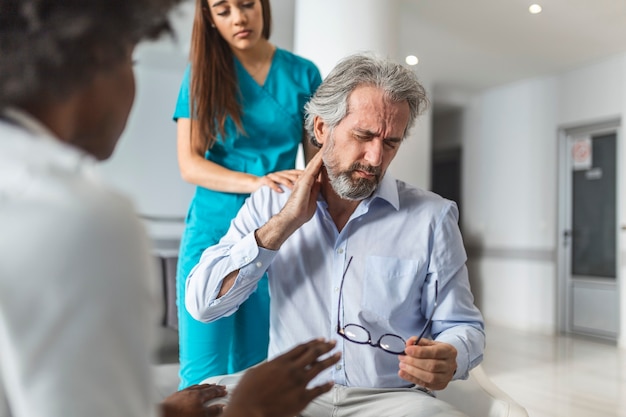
[299, 209]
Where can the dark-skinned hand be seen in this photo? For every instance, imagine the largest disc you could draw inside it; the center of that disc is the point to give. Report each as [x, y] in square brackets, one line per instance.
[278, 388]
[190, 402]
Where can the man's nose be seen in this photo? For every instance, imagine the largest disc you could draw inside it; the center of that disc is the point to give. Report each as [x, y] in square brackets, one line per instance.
[374, 152]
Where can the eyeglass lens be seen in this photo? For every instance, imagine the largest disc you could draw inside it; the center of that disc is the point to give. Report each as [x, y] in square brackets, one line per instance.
[387, 342]
[390, 343]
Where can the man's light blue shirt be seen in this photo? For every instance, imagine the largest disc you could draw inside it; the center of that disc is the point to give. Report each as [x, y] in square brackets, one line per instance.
[402, 239]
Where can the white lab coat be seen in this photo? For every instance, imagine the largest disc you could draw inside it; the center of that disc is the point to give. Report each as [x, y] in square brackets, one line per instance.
[78, 296]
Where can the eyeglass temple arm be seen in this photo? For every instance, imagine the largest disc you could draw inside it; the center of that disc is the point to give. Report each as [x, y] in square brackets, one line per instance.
[430, 318]
[343, 277]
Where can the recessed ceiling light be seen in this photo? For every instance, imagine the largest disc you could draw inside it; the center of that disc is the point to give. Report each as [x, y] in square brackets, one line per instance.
[535, 8]
[411, 60]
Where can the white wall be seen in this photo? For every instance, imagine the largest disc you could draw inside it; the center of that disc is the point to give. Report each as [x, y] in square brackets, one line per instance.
[144, 164]
[412, 162]
[592, 93]
[509, 189]
[510, 185]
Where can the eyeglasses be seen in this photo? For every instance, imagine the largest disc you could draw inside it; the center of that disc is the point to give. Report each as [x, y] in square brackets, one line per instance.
[389, 342]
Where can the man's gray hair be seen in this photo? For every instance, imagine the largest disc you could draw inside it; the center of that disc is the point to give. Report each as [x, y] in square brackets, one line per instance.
[330, 101]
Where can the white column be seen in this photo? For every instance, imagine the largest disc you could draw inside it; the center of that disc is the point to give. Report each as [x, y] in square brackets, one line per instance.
[328, 30]
[283, 12]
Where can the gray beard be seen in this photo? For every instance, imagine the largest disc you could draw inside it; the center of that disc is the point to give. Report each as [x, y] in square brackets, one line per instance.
[350, 189]
[343, 184]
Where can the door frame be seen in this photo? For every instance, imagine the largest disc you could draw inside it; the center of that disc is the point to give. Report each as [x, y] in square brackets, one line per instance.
[564, 281]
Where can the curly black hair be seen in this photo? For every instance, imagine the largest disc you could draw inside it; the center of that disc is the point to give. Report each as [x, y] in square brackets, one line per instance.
[52, 47]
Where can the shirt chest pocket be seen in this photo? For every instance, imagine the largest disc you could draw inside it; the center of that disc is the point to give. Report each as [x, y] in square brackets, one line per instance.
[390, 285]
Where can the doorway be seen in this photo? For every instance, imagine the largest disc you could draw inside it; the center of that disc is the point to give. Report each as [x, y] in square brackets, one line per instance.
[588, 229]
[446, 174]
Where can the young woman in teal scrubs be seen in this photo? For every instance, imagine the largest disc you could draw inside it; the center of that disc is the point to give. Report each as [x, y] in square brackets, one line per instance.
[240, 122]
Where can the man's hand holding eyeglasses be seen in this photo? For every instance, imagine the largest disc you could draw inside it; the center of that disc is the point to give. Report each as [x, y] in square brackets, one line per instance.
[429, 364]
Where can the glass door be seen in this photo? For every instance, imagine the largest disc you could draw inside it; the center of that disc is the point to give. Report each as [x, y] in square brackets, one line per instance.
[590, 232]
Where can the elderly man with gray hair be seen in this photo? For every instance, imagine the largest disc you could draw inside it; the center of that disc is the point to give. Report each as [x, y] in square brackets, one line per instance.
[356, 256]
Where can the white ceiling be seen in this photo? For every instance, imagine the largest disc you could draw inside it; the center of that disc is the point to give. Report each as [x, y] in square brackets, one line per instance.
[465, 46]
[469, 45]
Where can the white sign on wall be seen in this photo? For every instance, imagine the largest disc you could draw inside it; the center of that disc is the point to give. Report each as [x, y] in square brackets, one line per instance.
[582, 154]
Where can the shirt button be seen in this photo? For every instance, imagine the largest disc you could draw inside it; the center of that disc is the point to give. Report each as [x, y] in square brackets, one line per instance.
[336, 289]
[338, 367]
[246, 259]
[339, 251]
[259, 264]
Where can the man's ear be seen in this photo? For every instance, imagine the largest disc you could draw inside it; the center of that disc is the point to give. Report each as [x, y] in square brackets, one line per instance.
[320, 130]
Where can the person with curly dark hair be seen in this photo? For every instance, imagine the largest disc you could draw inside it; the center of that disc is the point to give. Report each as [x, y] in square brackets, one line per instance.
[79, 300]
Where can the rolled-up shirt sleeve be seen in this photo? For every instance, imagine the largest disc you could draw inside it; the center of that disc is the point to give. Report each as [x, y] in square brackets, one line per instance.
[456, 321]
[205, 280]
[236, 251]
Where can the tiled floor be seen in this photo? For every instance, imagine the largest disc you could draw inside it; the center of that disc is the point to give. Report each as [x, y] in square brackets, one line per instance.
[558, 376]
[551, 376]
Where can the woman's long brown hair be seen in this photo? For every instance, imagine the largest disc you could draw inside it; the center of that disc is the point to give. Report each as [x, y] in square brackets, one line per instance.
[214, 90]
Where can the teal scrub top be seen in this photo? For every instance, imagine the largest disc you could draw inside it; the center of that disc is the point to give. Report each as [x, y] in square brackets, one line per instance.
[272, 119]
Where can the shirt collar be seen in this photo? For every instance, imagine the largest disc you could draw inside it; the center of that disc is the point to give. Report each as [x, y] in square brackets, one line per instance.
[71, 157]
[387, 190]
[28, 122]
